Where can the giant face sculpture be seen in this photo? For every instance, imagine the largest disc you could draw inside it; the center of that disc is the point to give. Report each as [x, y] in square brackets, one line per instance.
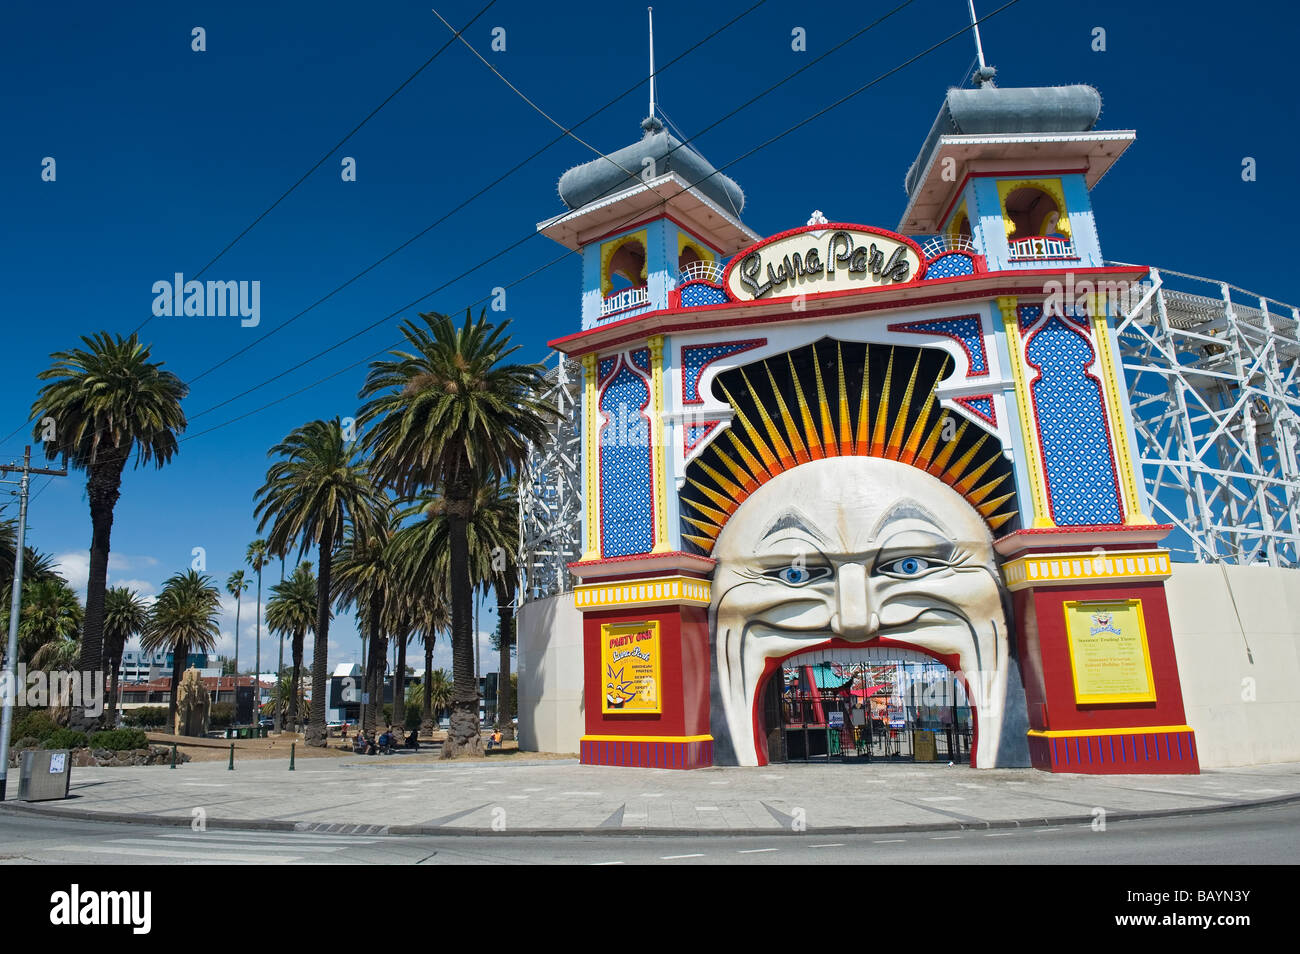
[860, 548]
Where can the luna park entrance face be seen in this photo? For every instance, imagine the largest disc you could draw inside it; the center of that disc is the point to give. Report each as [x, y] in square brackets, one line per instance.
[874, 704]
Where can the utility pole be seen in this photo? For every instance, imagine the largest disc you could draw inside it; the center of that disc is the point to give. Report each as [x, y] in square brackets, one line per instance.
[9, 678]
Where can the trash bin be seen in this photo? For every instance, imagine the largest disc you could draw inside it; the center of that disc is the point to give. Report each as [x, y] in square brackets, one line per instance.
[46, 775]
[923, 749]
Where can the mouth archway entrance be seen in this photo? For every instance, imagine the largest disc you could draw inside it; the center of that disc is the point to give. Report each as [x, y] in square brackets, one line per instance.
[863, 704]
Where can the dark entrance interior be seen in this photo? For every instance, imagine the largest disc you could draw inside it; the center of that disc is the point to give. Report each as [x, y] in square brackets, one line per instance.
[866, 705]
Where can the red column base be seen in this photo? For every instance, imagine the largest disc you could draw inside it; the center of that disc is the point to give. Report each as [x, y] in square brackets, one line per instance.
[1117, 752]
[683, 753]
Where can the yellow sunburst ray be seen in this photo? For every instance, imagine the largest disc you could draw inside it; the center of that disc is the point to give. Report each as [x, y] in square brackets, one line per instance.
[894, 448]
[955, 471]
[913, 445]
[783, 455]
[705, 545]
[977, 495]
[990, 507]
[937, 464]
[996, 522]
[710, 530]
[728, 504]
[828, 426]
[862, 440]
[846, 427]
[972, 478]
[765, 452]
[717, 516]
[796, 442]
[925, 456]
[882, 410]
[755, 466]
[731, 489]
[815, 451]
[747, 479]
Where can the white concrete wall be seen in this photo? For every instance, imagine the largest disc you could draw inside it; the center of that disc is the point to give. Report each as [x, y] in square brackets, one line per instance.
[1237, 637]
[549, 659]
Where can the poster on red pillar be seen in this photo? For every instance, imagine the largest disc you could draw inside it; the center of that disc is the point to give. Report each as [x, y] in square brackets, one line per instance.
[1108, 652]
[629, 656]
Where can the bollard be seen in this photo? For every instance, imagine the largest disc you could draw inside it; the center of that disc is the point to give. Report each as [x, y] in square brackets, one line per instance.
[173, 755]
[292, 747]
[231, 766]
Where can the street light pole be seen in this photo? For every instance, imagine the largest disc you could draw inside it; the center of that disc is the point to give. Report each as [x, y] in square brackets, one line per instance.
[8, 680]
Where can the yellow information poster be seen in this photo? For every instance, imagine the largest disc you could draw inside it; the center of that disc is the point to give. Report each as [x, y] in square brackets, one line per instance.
[1108, 652]
[629, 656]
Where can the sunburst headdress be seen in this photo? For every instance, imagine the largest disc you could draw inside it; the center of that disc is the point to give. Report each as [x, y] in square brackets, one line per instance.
[866, 403]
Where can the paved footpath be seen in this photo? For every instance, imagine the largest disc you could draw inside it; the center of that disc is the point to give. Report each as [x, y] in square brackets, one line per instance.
[399, 796]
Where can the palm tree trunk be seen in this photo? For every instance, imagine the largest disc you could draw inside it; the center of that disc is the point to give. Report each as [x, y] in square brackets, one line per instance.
[238, 601]
[399, 684]
[506, 617]
[374, 675]
[257, 663]
[463, 734]
[103, 487]
[320, 653]
[294, 691]
[426, 723]
[111, 706]
[180, 655]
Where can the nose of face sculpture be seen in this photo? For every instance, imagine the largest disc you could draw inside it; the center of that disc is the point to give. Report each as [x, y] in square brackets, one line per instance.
[855, 615]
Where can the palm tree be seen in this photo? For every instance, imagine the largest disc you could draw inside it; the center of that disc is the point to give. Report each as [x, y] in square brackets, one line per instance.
[434, 694]
[291, 610]
[444, 412]
[183, 619]
[236, 586]
[36, 565]
[106, 402]
[310, 497]
[435, 616]
[257, 556]
[363, 579]
[51, 613]
[125, 616]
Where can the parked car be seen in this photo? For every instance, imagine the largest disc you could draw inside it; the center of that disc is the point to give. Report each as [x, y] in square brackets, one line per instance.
[267, 723]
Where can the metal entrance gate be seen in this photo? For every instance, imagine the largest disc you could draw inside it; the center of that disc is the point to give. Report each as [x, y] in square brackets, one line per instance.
[867, 705]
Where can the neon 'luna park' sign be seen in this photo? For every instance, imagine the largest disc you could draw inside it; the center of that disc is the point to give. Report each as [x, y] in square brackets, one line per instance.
[821, 258]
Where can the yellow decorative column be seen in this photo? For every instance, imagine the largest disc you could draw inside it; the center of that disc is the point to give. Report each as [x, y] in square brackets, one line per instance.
[1024, 403]
[590, 459]
[1124, 463]
[658, 457]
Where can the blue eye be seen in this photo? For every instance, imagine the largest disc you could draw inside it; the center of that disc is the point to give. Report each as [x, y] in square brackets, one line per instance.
[908, 566]
[797, 575]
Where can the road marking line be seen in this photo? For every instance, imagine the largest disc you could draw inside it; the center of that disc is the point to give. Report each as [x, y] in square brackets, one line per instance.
[652, 795]
[756, 851]
[1040, 830]
[890, 841]
[998, 834]
[945, 798]
[230, 846]
[599, 864]
[675, 857]
[838, 844]
[944, 837]
[581, 793]
[706, 808]
[159, 853]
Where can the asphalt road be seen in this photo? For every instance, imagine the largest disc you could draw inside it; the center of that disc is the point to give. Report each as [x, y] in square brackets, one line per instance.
[1269, 835]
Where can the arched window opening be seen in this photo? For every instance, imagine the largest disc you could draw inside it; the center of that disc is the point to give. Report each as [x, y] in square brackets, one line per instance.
[1033, 213]
[627, 266]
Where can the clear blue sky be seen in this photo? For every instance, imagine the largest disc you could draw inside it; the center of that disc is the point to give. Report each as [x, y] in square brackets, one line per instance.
[164, 155]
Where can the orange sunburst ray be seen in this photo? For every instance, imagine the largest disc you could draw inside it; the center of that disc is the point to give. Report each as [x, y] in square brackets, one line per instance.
[796, 442]
[810, 430]
[770, 460]
[894, 448]
[882, 410]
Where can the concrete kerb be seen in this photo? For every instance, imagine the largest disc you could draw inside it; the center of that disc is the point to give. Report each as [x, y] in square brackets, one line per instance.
[347, 828]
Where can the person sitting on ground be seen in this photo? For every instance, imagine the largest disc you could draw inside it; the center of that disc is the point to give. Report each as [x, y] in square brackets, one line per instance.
[359, 743]
[494, 740]
[385, 740]
[413, 741]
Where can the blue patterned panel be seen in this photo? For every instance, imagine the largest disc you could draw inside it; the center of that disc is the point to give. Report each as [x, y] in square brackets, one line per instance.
[641, 358]
[950, 266]
[1081, 482]
[626, 491]
[696, 433]
[695, 294]
[967, 330]
[983, 406]
[1028, 315]
[695, 358]
[605, 368]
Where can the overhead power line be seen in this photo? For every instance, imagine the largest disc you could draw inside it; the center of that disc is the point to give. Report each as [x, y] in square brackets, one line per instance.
[641, 214]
